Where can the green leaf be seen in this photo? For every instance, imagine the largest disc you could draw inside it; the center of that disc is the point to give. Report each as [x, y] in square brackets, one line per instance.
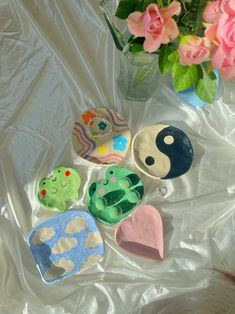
[165, 65]
[206, 87]
[125, 8]
[184, 30]
[136, 47]
[174, 56]
[136, 44]
[143, 4]
[131, 38]
[184, 76]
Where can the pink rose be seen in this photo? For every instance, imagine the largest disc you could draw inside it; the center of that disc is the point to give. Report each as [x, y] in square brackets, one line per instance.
[193, 50]
[224, 61]
[213, 10]
[229, 7]
[222, 33]
[156, 25]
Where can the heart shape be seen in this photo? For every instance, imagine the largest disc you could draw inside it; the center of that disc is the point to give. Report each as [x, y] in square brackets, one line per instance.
[142, 233]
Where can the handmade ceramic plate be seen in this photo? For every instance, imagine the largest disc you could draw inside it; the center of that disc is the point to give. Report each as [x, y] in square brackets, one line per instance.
[65, 245]
[162, 151]
[142, 233]
[60, 189]
[101, 136]
[114, 198]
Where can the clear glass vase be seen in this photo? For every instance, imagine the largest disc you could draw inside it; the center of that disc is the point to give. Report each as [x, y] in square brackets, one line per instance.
[138, 73]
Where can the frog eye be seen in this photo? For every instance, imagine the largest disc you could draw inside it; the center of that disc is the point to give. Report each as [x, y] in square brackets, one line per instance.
[44, 183]
[111, 172]
[67, 173]
[59, 171]
[92, 189]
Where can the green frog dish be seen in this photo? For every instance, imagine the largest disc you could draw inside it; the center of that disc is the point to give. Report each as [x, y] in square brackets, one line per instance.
[114, 198]
[60, 189]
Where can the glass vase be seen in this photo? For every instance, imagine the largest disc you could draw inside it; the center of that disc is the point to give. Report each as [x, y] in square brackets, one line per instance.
[138, 73]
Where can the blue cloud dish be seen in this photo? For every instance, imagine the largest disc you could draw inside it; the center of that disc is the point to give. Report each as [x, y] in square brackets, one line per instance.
[65, 245]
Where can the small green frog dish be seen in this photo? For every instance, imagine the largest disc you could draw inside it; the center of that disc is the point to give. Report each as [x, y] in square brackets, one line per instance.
[114, 198]
[60, 189]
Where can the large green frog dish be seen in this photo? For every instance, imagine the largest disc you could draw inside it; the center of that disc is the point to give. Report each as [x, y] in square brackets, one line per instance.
[60, 189]
[114, 198]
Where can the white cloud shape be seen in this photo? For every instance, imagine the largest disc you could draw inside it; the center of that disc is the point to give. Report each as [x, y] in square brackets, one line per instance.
[64, 245]
[42, 235]
[93, 239]
[76, 225]
[58, 268]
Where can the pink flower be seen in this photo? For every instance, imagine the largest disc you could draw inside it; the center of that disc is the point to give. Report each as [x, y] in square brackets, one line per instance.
[156, 25]
[193, 50]
[213, 10]
[224, 61]
[222, 33]
[229, 7]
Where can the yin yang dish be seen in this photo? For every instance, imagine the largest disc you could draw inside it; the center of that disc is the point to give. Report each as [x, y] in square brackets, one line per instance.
[162, 151]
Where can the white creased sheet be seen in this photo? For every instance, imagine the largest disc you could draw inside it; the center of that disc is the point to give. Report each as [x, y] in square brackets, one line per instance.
[57, 59]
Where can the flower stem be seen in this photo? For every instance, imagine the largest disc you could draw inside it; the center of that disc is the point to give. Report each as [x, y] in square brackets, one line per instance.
[185, 9]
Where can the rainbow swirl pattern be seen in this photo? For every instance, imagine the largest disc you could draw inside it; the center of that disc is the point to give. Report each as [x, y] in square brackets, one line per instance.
[102, 136]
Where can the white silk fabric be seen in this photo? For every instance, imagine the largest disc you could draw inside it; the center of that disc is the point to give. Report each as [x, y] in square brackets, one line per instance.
[57, 59]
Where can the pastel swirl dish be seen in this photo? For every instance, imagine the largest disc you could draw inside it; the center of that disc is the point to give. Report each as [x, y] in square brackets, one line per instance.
[101, 136]
[114, 198]
[162, 151]
[60, 189]
[65, 245]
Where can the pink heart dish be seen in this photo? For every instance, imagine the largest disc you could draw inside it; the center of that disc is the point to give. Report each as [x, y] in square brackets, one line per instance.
[142, 233]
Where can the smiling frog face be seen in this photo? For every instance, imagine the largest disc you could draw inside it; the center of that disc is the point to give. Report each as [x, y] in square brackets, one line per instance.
[113, 198]
[60, 189]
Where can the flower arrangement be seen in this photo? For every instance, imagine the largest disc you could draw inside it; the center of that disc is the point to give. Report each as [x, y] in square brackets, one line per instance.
[191, 37]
